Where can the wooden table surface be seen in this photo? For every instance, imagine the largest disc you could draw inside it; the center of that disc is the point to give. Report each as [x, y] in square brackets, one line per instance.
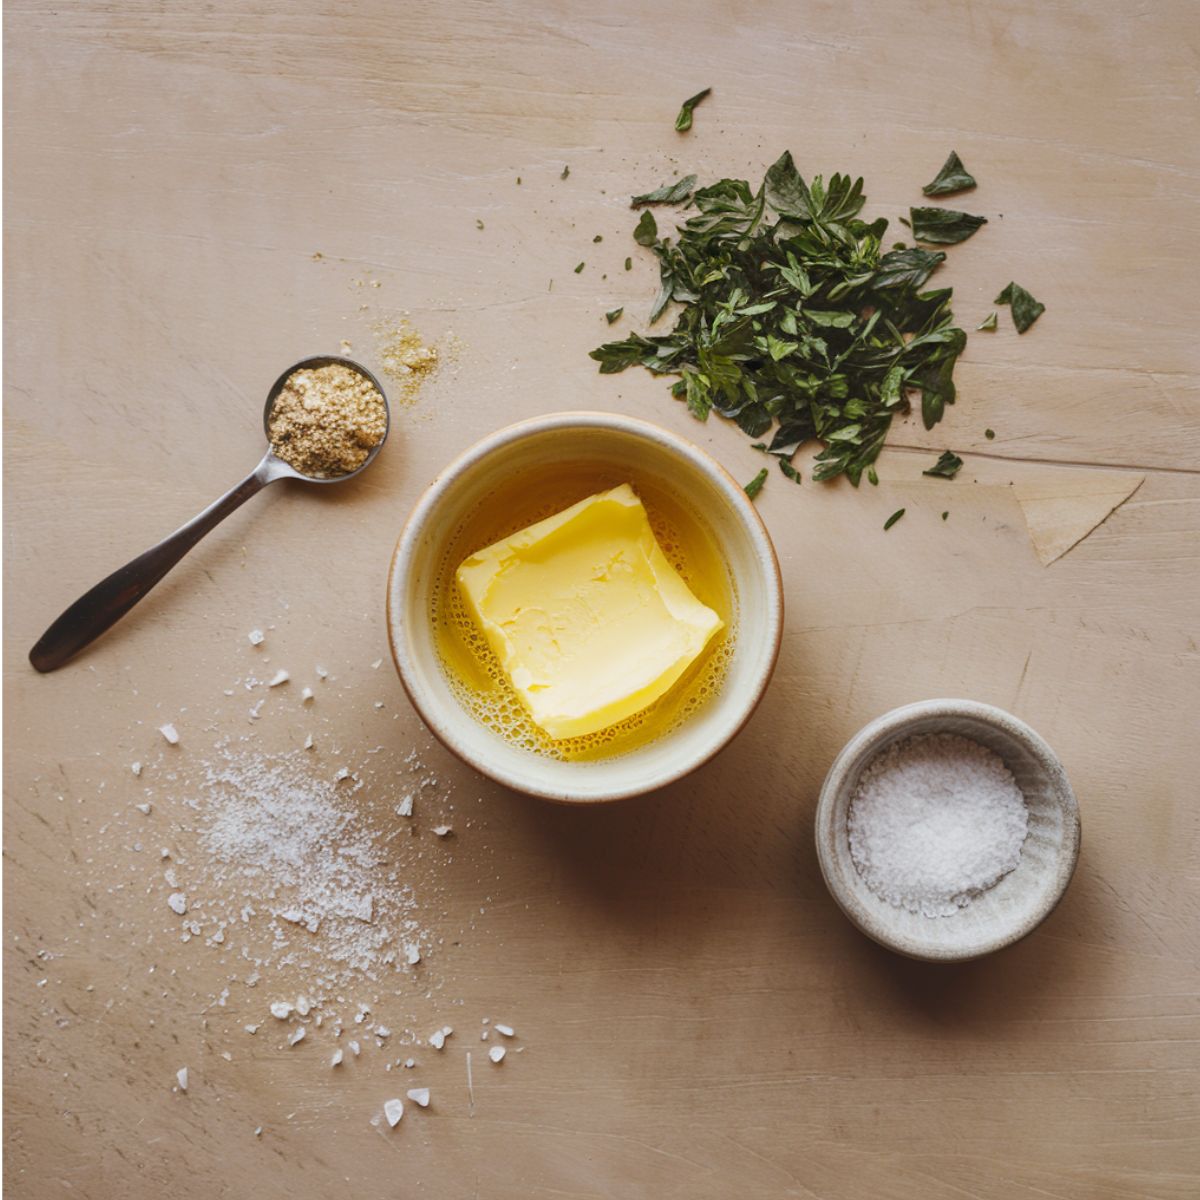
[199, 194]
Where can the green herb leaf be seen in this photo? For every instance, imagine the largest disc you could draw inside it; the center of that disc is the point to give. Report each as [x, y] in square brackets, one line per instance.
[1025, 309]
[629, 264]
[610, 317]
[945, 515]
[645, 232]
[790, 471]
[989, 434]
[669, 193]
[792, 322]
[580, 268]
[953, 177]
[893, 519]
[989, 322]
[598, 238]
[943, 226]
[565, 172]
[946, 467]
[683, 122]
[756, 484]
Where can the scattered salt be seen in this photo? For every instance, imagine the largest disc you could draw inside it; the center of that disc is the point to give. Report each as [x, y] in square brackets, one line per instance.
[136, 768]
[302, 1005]
[336, 1060]
[308, 742]
[443, 830]
[181, 1077]
[375, 664]
[170, 733]
[419, 1096]
[280, 676]
[306, 695]
[354, 1048]
[256, 637]
[178, 903]
[143, 808]
[405, 807]
[507, 1030]
[393, 1110]
[412, 954]
[250, 1028]
[281, 1009]
[297, 1035]
[934, 821]
[496, 1054]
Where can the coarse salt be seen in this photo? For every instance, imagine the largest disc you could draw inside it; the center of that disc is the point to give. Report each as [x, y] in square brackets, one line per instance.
[336, 1059]
[178, 903]
[419, 1096]
[256, 637]
[297, 1035]
[279, 677]
[934, 821]
[170, 733]
[506, 1030]
[281, 1009]
[181, 1077]
[393, 1110]
[496, 1054]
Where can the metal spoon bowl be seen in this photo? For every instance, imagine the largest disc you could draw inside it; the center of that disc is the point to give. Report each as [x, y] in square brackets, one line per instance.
[105, 604]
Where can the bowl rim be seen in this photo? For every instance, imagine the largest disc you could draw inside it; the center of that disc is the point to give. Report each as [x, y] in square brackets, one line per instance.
[865, 743]
[426, 506]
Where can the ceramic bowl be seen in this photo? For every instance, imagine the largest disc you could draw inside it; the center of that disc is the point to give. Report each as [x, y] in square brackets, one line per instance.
[692, 478]
[1004, 913]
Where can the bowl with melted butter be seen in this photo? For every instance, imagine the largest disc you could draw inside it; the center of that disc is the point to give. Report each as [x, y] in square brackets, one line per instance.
[585, 607]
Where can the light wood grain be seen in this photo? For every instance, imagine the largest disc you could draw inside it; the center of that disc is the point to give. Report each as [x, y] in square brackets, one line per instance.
[699, 1020]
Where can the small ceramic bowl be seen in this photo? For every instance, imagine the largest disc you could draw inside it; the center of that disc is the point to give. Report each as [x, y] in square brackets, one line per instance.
[1020, 901]
[693, 479]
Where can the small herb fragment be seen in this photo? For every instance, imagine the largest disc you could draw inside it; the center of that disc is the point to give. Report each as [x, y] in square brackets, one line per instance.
[943, 226]
[580, 268]
[565, 172]
[953, 177]
[629, 264]
[989, 434]
[683, 122]
[893, 519]
[645, 232]
[790, 471]
[669, 193]
[598, 238]
[947, 466]
[989, 322]
[756, 484]
[1025, 309]
[615, 315]
[478, 223]
[945, 515]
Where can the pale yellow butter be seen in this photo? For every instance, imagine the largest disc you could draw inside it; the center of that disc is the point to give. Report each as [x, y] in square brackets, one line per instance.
[587, 617]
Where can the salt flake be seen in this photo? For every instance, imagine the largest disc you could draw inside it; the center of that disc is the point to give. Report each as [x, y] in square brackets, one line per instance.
[182, 1077]
[297, 1036]
[404, 808]
[419, 1096]
[281, 1009]
[443, 830]
[143, 808]
[497, 1053]
[136, 768]
[256, 637]
[507, 1030]
[178, 903]
[170, 733]
[393, 1110]
[336, 1060]
[306, 695]
[280, 676]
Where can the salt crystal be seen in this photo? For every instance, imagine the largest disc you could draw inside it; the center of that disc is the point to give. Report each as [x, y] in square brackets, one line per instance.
[375, 664]
[182, 1077]
[342, 773]
[437, 1039]
[302, 1005]
[336, 1060]
[143, 808]
[496, 1054]
[258, 1131]
[226, 1056]
[507, 1030]
[308, 742]
[410, 1063]
[165, 852]
[354, 1048]
[136, 768]
[280, 676]
[169, 876]
[393, 1110]
[419, 1096]
[412, 954]
[170, 733]
[442, 830]
[178, 903]
[404, 808]
[297, 1036]
[281, 1009]
[322, 673]
[378, 703]
[256, 637]
[306, 695]
[250, 1028]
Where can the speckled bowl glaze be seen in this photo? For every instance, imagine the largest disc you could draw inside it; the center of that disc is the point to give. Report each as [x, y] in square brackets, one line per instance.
[1006, 912]
[694, 478]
